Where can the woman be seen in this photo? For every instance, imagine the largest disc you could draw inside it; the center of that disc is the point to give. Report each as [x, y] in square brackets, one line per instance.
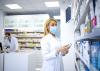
[52, 50]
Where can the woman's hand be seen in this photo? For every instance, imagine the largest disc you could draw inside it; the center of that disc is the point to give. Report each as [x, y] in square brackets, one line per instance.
[64, 49]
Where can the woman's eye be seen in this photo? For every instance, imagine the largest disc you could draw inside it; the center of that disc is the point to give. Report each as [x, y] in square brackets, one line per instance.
[54, 25]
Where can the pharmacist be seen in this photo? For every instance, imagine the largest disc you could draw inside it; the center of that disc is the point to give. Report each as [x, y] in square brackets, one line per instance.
[52, 50]
[10, 42]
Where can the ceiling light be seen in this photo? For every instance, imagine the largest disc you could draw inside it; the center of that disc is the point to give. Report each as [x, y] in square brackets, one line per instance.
[13, 6]
[52, 4]
[57, 17]
[38, 69]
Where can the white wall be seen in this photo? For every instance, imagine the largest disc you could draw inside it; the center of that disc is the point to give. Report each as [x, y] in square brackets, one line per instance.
[67, 35]
[1, 26]
[1, 39]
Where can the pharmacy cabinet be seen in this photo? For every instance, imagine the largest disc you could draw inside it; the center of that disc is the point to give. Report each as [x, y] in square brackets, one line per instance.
[28, 29]
[88, 54]
[87, 34]
[27, 39]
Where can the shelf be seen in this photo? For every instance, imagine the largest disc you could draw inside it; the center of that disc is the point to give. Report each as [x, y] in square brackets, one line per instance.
[95, 35]
[36, 32]
[28, 37]
[82, 18]
[81, 58]
[27, 46]
[28, 41]
[15, 32]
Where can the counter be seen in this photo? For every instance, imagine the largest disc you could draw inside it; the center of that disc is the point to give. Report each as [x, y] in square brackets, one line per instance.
[1, 61]
[17, 61]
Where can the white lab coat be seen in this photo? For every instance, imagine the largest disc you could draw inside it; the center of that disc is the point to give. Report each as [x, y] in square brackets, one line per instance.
[51, 60]
[13, 44]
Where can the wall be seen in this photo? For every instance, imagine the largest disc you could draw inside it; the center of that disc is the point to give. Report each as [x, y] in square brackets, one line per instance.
[1, 39]
[1, 26]
[67, 36]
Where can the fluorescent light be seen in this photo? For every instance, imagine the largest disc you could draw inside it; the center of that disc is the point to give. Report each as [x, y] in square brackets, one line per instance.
[38, 69]
[57, 17]
[13, 6]
[52, 4]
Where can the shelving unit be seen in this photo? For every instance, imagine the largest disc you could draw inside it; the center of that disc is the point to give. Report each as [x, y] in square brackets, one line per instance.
[92, 62]
[27, 39]
[28, 29]
[87, 45]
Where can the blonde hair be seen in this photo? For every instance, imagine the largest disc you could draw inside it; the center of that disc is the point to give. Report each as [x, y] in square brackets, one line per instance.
[46, 29]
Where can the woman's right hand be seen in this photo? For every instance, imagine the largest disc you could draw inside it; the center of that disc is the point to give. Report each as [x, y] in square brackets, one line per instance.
[64, 49]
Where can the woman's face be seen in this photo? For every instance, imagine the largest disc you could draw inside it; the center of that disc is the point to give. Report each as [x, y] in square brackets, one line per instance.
[52, 23]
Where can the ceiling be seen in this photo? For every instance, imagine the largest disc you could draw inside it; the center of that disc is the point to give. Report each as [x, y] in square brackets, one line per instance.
[30, 7]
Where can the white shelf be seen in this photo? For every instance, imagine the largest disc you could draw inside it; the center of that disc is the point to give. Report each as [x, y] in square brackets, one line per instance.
[16, 32]
[82, 18]
[81, 58]
[28, 37]
[29, 41]
[28, 46]
[95, 35]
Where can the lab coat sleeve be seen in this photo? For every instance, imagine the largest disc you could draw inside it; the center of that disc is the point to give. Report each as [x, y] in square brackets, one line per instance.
[16, 44]
[47, 54]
